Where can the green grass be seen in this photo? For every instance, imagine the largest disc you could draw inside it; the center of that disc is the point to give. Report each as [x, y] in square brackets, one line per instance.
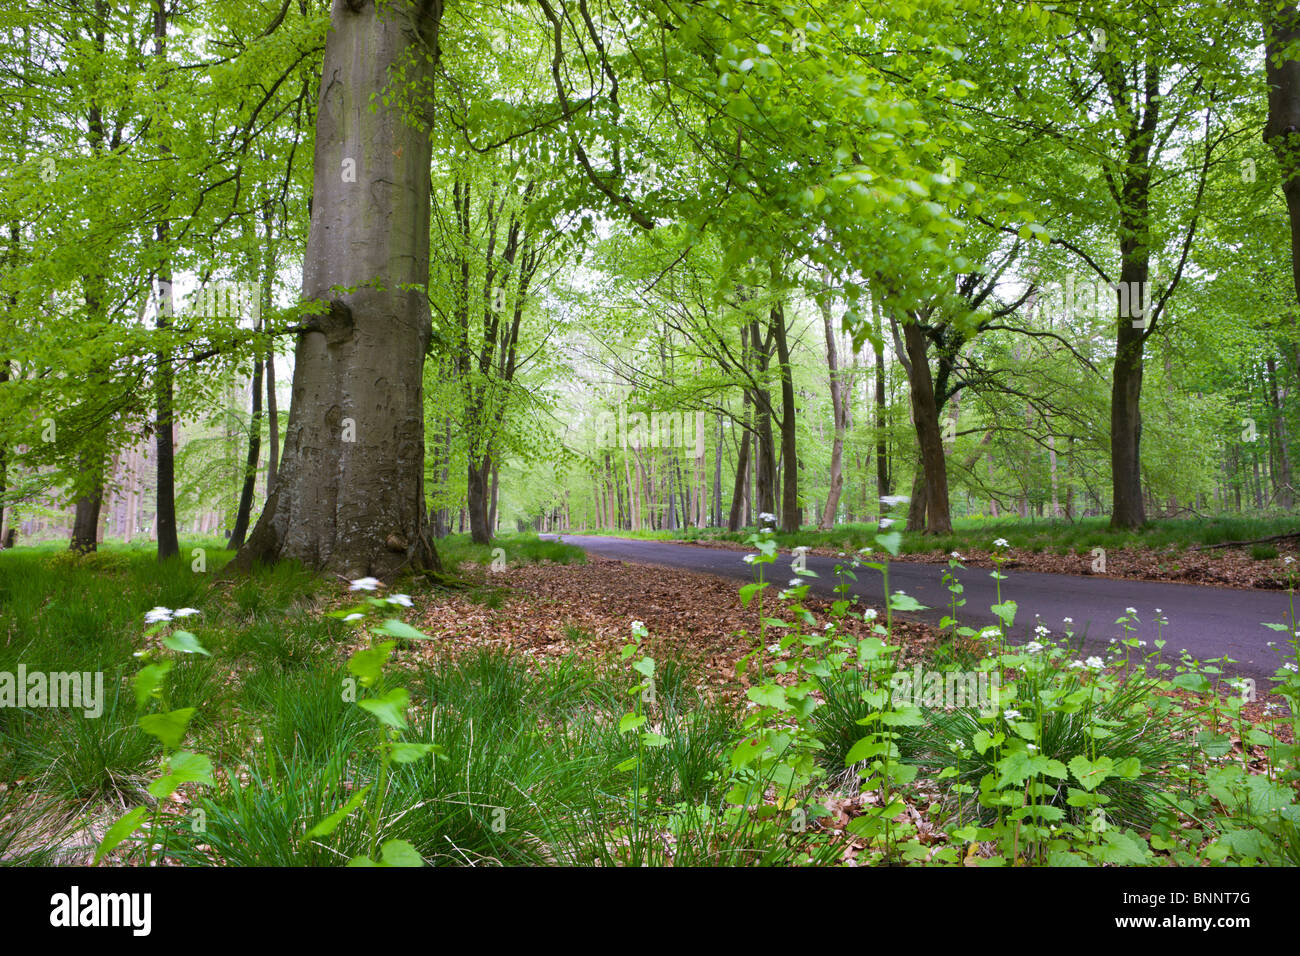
[458, 552]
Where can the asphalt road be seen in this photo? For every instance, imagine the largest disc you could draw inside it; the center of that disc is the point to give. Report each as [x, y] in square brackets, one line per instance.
[1209, 622]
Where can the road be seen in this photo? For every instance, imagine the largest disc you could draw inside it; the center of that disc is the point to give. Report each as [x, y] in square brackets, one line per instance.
[1209, 622]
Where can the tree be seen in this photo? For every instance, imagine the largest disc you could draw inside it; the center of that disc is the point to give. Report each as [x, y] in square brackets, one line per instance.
[349, 493]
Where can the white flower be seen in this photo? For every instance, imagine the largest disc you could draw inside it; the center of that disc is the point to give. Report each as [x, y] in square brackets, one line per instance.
[404, 600]
[954, 555]
[1291, 667]
[767, 518]
[886, 522]
[158, 614]
[354, 616]
[1158, 611]
[364, 584]
[892, 500]
[1067, 620]
[869, 614]
[1030, 747]
[1095, 663]
[1288, 560]
[637, 624]
[795, 582]
[749, 558]
[1041, 630]
[1130, 610]
[1001, 543]
[185, 611]
[1033, 647]
[1011, 714]
[828, 625]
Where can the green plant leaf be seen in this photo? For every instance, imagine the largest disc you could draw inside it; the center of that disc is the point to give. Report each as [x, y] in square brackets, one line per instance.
[390, 709]
[169, 727]
[119, 831]
[185, 642]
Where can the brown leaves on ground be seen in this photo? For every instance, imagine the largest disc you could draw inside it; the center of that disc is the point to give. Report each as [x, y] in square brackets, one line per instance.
[550, 611]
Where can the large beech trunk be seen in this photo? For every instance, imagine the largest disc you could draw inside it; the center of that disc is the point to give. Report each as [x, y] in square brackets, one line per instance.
[349, 495]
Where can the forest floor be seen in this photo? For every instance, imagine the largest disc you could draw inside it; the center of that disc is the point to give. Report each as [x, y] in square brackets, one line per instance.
[523, 682]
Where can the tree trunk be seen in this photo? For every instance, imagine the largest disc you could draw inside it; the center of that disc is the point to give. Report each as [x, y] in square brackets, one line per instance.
[736, 516]
[85, 522]
[1282, 131]
[839, 406]
[791, 514]
[929, 436]
[349, 496]
[1128, 509]
[242, 513]
[165, 516]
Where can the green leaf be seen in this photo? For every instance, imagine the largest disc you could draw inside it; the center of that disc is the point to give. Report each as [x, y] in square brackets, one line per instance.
[185, 642]
[368, 665]
[389, 709]
[182, 767]
[331, 822]
[400, 629]
[149, 681]
[169, 727]
[904, 602]
[768, 695]
[1091, 773]
[630, 722]
[410, 753]
[119, 831]
[399, 853]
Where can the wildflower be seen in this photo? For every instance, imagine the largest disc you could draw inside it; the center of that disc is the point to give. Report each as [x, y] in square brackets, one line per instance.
[795, 582]
[1001, 543]
[1291, 667]
[1130, 610]
[955, 556]
[828, 625]
[892, 500]
[869, 614]
[1011, 714]
[157, 615]
[886, 522]
[637, 624]
[185, 611]
[364, 584]
[354, 616]
[1067, 620]
[1041, 631]
[1288, 560]
[1158, 611]
[404, 600]
[1030, 747]
[1095, 663]
[767, 518]
[749, 558]
[1033, 647]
